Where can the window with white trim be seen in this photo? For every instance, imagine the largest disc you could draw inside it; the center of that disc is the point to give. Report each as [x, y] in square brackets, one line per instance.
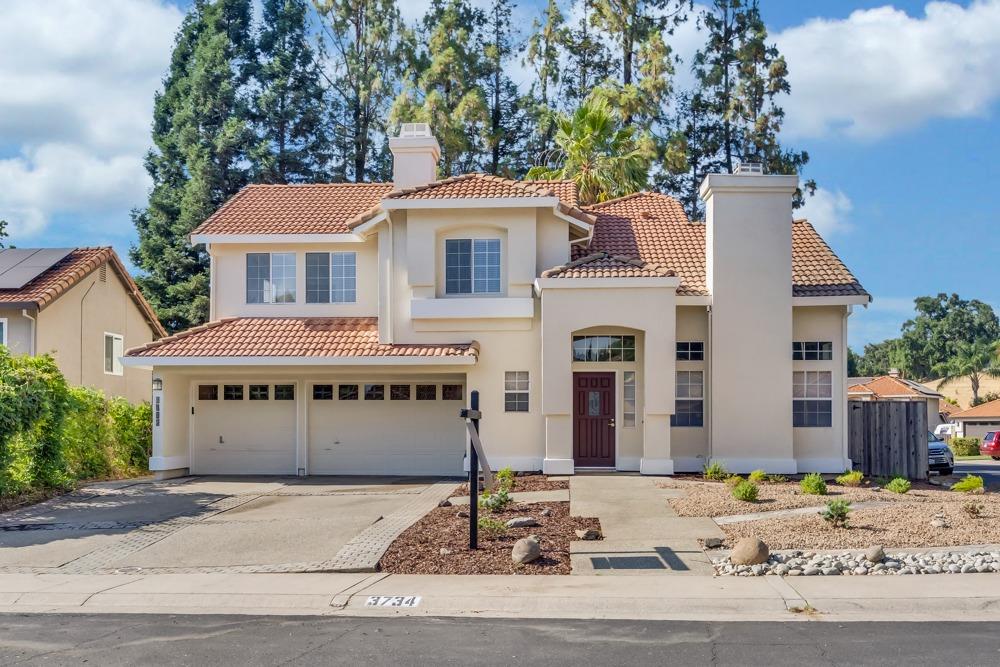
[812, 398]
[3, 330]
[812, 350]
[270, 277]
[114, 348]
[515, 391]
[628, 402]
[693, 350]
[331, 277]
[689, 404]
[472, 266]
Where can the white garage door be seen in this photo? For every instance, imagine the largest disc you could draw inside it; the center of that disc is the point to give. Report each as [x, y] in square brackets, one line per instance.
[244, 429]
[386, 429]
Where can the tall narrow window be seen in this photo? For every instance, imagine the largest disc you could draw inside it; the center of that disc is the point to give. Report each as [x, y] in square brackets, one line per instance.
[812, 398]
[331, 277]
[628, 402]
[689, 406]
[317, 277]
[3, 331]
[271, 277]
[113, 351]
[472, 266]
[515, 391]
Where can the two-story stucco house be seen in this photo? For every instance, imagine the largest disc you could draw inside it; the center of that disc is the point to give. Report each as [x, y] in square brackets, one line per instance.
[350, 322]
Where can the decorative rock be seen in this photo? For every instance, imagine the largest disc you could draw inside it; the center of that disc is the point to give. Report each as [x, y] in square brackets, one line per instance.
[444, 503]
[749, 551]
[830, 571]
[875, 554]
[795, 572]
[589, 534]
[526, 550]
[462, 514]
[444, 552]
[546, 512]
[522, 522]
[939, 523]
[713, 542]
[860, 570]
[810, 571]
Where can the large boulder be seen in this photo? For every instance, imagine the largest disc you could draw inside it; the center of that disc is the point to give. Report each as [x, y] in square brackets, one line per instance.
[526, 550]
[875, 554]
[749, 551]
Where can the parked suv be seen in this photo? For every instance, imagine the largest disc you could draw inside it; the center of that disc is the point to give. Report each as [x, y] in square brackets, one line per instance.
[940, 459]
[990, 446]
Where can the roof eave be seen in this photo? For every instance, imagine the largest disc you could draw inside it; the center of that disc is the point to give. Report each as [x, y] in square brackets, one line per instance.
[153, 361]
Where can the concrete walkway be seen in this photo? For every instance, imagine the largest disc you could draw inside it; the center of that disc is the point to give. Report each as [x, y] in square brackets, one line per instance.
[642, 533]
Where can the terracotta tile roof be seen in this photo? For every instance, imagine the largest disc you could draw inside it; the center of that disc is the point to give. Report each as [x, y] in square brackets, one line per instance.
[605, 265]
[983, 410]
[816, 269]
[71, 269]
[947, 409]
[886, 386]
[292, 337]
[295, 209]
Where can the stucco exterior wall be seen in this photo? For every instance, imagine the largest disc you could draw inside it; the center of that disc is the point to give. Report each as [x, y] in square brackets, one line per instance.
[18, 330]
[689, 445]
[72, 329]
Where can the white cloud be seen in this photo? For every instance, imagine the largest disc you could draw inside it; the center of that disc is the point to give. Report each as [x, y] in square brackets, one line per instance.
[76, 91]
[827, 210]
[880, 71]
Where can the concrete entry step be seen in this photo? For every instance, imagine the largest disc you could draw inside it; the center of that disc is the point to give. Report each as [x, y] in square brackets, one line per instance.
[640, 557]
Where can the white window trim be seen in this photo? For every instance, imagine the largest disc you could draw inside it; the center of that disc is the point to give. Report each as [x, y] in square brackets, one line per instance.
[472, 268]
[3, 330]
[329, 275]
[526, 391]
[269, 291]
[117, 368]
[825, 399]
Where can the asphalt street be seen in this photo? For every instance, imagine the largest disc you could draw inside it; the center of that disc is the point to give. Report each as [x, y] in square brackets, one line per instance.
[988, 470]
[245, 641]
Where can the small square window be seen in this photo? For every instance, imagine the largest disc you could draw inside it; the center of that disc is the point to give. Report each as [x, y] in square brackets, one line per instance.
[322, 392]
[690, 351]
[451, 392]
[516, 391]
[347, 392]
[284, 392]
[232, 392]
[399, 392]
[260, 392]
[426, 392]
[374, 392]
[208, 392]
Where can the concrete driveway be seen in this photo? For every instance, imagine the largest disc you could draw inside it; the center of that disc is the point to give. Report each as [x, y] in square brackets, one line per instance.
[204, 523]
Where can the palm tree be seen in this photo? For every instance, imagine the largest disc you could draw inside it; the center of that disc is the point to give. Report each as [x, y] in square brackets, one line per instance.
[973, 360]
[593, 149]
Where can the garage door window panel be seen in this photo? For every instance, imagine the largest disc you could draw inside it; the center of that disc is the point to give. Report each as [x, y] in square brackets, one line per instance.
[399, 392]
[260, 392]
[208, 392]
[322, 392]
[284, 392]
[426, 392]
[347, 392]
[232, 392]
[374, 392]
[451, 392]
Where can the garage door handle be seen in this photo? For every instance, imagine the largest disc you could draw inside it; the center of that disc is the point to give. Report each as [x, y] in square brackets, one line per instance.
[221, 441]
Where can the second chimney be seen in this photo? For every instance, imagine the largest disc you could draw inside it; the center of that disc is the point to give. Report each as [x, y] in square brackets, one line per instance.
[415, 154]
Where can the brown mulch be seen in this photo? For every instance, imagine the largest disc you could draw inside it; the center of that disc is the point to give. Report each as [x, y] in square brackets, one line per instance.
[418, 549]
[529, 482]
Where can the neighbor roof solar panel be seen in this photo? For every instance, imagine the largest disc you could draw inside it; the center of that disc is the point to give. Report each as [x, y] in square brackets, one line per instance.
[19, 266]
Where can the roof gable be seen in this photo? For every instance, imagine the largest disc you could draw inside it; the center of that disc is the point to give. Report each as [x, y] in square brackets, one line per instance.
[990, 409]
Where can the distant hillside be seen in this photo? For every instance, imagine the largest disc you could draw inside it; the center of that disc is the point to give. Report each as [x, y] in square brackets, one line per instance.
[961, 390]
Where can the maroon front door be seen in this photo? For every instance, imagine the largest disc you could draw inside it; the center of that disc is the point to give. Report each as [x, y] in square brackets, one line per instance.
[594, 419]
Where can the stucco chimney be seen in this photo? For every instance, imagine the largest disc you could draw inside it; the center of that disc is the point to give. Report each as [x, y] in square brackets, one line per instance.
[415, 153]
[748, 253]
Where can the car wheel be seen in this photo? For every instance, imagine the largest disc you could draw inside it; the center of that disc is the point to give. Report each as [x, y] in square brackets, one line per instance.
[946, 471]
[995, 458]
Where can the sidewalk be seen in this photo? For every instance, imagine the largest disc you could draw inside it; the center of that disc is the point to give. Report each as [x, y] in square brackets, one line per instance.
[968, 597]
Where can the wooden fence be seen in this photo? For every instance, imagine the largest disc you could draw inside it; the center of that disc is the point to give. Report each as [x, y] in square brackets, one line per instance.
[887, 438]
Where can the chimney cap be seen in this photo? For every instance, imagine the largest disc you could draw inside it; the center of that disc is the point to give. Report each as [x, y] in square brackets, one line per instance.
[748, 169]
[415, 130]
[894, 372]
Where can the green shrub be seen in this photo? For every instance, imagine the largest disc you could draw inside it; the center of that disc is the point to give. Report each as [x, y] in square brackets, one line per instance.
[974, 510]
[505, 479]
[733, 480]
[757, 476]
[715, 471]
[964, 446]
[969, 484]
[898, 485]
[851, 478]
[745, 491]
[813, 484]
[491, 528]
[495, 502]
[776, 479]
[836, 512]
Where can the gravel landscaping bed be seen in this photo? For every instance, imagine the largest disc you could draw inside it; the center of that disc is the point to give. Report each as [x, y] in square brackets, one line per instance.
[529, 482]
[439, 542]
[857, 564]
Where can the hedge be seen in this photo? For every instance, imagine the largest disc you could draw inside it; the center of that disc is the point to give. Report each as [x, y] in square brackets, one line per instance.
[964, 446]
[52, 434]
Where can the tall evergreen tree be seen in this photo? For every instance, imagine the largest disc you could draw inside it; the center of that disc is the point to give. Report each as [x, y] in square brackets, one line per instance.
[588, 61]
[549, 37]
[364, 39]
[688, 152]
[3, 233]
[202, 136]
[442, 85]
[290, 115]
[509, 123]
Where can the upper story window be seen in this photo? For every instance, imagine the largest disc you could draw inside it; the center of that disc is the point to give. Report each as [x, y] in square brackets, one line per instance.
[812, 351]
[690, 351]
[114, 348]
[472, 266]
[603, 348]
[270, 277]
[331, 277]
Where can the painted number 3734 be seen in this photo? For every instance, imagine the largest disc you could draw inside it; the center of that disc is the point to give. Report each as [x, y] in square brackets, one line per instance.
[393, 601]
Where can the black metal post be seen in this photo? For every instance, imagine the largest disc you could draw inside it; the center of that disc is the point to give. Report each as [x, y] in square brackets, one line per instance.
[474, 479]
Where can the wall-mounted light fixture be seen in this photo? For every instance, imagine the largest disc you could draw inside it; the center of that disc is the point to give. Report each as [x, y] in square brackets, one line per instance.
[157, 384]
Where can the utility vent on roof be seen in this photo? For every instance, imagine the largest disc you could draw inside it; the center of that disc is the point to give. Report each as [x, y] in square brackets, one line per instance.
[103, 273]
[748, 169]
[415, 130]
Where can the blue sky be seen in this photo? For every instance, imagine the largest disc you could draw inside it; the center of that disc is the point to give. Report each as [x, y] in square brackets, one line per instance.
[896, 102]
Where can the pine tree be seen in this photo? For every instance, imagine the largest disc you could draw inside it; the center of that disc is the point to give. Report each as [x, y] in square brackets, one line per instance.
[290, 114]
[364, 39]
[3, 233]
[690, 149]
[442, 86]
[509, 124]
[549, 38]
[588, 61]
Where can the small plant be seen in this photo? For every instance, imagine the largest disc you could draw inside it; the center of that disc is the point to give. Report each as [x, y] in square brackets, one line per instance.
[969, 484]
[491, 528]
[776, 479]
[495, 502]
[813, 484]
[964, 446]
[733, 481]
[746, 491]
[757, 476]
[898, 485]
[505, 479]
[851, 478]
[715, 471]
[836, 512]
[973, 509]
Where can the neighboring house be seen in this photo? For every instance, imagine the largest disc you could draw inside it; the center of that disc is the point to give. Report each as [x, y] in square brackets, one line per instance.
[892, 387]
[946, 410]
[81, 306]
[978, 421]
[349, 322]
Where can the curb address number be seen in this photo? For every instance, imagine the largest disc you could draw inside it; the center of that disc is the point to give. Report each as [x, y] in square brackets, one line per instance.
[393, 601]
